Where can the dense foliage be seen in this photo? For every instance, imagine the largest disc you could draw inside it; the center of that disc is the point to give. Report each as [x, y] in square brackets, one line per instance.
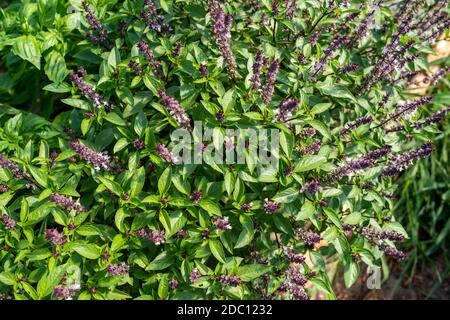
[94, 205]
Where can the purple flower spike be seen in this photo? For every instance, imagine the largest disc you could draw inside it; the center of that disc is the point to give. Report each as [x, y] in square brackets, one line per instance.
[286, 110]
[98, 34]
[67, 202]
[270, 207]
[148, 54]
[269, 87]
[400, 162]
[165, 154]
[100, 160]
[222, 224]
[56, 237]
[196, 196]
[195, 274]
[259, 63]
[8, 222]
[175, 110]
[118, 269]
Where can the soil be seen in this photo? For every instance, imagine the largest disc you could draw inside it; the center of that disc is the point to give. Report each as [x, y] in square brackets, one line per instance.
[416, 287]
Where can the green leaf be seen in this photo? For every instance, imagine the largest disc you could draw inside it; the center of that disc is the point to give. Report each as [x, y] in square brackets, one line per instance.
[310, 162]
[112, 185]
[227, 101]
[287, 195]
[39, 176]
[216, 248]
[287, 143]
[57, 87]
[210, 206]
[351, 273]
[333, 217]
[307, 210]
[119, 218]
[87, 250]
[164, 181]
[7, 278]
[27, 47]
[321, 107]
[120, 144]
[162, 261]
[163, 287]
[39, 254]
[55, 67]
[137, 181]
[229, 181]
[321, 127]
[338, 92]
[247, 233]
[252, 271]
[115, 118]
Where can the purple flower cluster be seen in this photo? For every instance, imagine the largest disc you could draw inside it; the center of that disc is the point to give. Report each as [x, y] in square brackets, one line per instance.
[295, 283]
[311, 187]
[182, 234]
[4, 188]
[410, 107]
[66, 202]
[136, 67]
[175, 110]
[195, 274]
[102, 34]
[56, 237]
[269, 87]
[222, 223]
[148, 54]
[203, 69]
[153, 20]
[436, 117]
[8, 222]
[270, 207]
[313, 148]
[118, 269]
[89, 91]
[139, 144]
[286, 110]
[12, 166]
[291, 9]
[196, 196]
[358, 122]
[174, 284]
[155, 236]
[61, 291]
[233, 280]
[178, 47]
[222, 31]
[400, 162]
[319, 65]
[292, 256]
[393, 252]
[358, 165]
[257, 66]
[246, 207]
[98, 159]
[165, 154]
[220, 116]
[349, 68]
[309, 237]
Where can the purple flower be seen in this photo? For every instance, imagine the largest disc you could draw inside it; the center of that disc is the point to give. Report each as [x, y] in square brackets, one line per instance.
[222, 223]
[220, 116]
[136, 68]
[233, 280]
[178, 47]
[155, 236]
[165, 154]
[313, 148]
[195, 274]
[12, 166]
[139, 144]
[196, 196]
[259, 63]
[349, 68]
[98, 159]
[182, 234]
[203, 69]
[8, 222]
[269, 87]
[302, 59]
[311, 187]
[309, 237]
[358, 122]
[56, 237]
[115, 269]
[174, 284]
[293, 257]
[148, 54]
[291, 8]
[154, 21]
[400, 162]
[286, 110]
[393, 252]
[62, 291]
[319, 65]
[97, 28]
[246, 207]
[270, 207]
[221, 29]
[288, 171]
[436, 117]
[4, 188]
[175, 110]
[66, 202]
[89, 91]
[410, 107]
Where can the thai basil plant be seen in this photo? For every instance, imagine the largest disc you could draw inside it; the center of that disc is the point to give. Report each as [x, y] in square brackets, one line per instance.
[294, 119]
